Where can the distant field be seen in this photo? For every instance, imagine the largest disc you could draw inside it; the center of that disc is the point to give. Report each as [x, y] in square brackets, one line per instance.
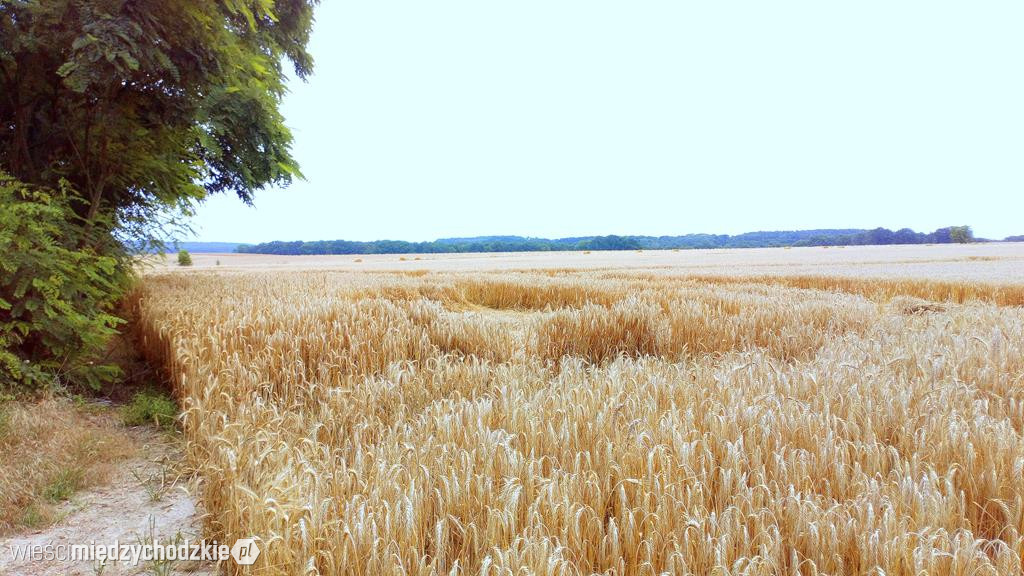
[995, 262]
[608, 421]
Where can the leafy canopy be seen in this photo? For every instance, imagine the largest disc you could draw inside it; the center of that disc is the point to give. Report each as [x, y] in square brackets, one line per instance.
[115, 115]
[145, 105]
[54, 295]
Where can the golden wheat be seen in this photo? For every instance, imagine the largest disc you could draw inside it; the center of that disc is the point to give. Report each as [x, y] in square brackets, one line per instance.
[579, 423]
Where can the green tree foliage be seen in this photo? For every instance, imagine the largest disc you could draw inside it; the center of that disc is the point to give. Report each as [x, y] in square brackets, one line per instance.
[688, 241]
[146, 105]
[184, 258]
[961, 234]
[54, 294]
[135, 110]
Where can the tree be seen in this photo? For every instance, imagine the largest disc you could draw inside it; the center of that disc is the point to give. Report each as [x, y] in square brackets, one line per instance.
[184, 258]
[54, 295]
[905, 236]
[116, 115]
[146, 106]
[941, 236]
[961, 234]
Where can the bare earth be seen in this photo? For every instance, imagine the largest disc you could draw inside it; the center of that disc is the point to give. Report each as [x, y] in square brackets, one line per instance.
[146, 500]
[992, 262]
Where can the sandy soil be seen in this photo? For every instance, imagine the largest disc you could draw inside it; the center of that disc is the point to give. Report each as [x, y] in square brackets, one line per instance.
[994, 262]
[146, 499]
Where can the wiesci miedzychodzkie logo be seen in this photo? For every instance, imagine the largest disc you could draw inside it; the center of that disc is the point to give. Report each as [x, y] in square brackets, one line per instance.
[244, 552]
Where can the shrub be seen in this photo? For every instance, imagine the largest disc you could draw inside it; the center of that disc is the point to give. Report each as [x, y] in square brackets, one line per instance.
[184, 258]
[961, 234]
[149, 407]
[56, 290]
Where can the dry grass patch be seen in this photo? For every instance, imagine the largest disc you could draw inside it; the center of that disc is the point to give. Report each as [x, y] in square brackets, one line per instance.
[52, 449]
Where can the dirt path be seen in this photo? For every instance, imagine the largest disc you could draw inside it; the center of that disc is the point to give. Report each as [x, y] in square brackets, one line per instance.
[148, 498]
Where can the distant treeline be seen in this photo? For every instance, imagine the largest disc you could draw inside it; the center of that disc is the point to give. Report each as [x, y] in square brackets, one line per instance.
[842, 237]
[207, 247]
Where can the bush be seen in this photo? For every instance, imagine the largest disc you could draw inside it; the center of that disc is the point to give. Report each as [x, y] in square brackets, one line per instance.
[184, 258]
[961, 234]
[56, 291]
[151, 408]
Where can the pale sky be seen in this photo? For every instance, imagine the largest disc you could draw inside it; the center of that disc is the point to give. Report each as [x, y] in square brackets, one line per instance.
[559, 118]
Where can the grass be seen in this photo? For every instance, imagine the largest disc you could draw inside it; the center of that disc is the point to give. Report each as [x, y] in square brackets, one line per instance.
[599, 422]
[150, 407]
[51, 449]
[163, 566]
[5, 420]
[66, 482]
[33, 517]
[160, 481]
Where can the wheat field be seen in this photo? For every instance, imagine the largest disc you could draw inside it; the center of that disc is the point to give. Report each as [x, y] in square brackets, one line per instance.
[582, 422]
